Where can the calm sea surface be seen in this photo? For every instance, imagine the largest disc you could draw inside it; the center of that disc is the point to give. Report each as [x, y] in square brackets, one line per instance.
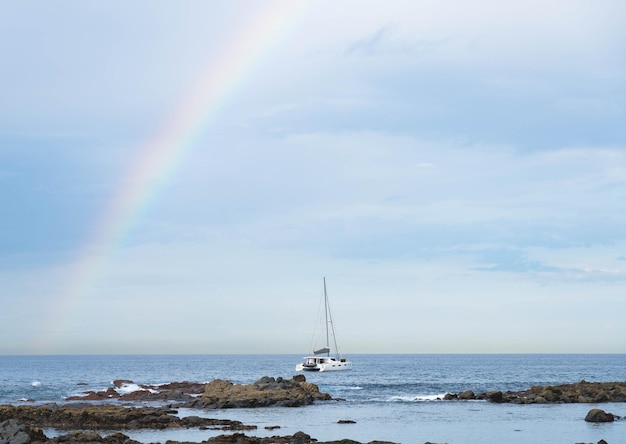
[391, 397]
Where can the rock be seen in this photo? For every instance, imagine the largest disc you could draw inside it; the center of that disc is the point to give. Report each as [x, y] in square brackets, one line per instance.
[494, 396]
[467, 394]
[84, 437]
[599, 415]
[346, 421]
[14, 432]
[240, 438]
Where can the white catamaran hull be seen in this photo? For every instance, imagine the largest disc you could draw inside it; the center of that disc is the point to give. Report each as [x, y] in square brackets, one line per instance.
[314, 364]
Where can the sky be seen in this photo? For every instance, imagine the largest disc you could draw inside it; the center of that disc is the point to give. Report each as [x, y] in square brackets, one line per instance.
[178, 177]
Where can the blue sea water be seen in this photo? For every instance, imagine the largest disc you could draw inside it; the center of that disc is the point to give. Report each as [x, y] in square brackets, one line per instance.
[390, 397]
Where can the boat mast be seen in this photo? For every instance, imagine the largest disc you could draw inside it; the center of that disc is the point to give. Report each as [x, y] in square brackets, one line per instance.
[329, 320]
[326, 315]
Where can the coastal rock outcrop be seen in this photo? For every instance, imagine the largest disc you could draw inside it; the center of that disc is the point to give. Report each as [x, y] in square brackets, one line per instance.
[580, 392]
[223, 394]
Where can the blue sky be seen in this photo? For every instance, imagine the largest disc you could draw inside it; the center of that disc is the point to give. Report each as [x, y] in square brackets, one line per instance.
[457, 171]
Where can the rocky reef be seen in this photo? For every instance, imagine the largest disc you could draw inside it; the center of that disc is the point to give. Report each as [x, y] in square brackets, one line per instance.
[220, 393]
[579, 392]
[295, 392]
[13, 431]
[110, 417]
[172, 392]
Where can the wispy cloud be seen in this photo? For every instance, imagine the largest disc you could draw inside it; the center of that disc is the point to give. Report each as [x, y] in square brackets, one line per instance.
[517, 261]
[370, 44]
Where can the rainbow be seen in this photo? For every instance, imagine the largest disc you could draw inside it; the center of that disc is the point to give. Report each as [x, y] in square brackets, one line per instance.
[161, 156]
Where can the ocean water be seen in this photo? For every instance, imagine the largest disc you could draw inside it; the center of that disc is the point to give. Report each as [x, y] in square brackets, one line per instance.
[390, 397]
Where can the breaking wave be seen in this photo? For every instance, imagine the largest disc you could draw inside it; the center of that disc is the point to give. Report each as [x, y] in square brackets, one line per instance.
[417, 398]
[130, 388]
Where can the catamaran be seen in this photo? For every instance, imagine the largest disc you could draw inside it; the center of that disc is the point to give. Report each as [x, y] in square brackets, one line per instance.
[321, 360]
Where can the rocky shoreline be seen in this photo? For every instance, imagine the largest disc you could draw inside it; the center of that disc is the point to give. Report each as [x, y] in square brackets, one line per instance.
[85, 415]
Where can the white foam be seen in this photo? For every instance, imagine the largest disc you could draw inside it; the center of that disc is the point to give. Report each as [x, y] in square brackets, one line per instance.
[35, 383]
[128, 388]
[417, 398]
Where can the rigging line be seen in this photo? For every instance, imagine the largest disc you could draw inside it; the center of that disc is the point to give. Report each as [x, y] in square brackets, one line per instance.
[332, 326]
[318, 333]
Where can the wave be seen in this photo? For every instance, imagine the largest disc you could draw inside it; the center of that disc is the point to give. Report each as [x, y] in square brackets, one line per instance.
[130, 387]
[333, 388]
[36, 383]
[416, 398]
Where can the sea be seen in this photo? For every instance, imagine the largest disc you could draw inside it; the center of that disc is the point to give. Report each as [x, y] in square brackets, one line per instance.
[395, 398]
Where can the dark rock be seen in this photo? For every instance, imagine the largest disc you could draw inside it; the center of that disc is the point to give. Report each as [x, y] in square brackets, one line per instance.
[599, 415]
[467, 394]
[346, 421]
[240, 438]
[85, 437]
[342, 441]
[14, 432]
[495, 396]
[118, 383]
